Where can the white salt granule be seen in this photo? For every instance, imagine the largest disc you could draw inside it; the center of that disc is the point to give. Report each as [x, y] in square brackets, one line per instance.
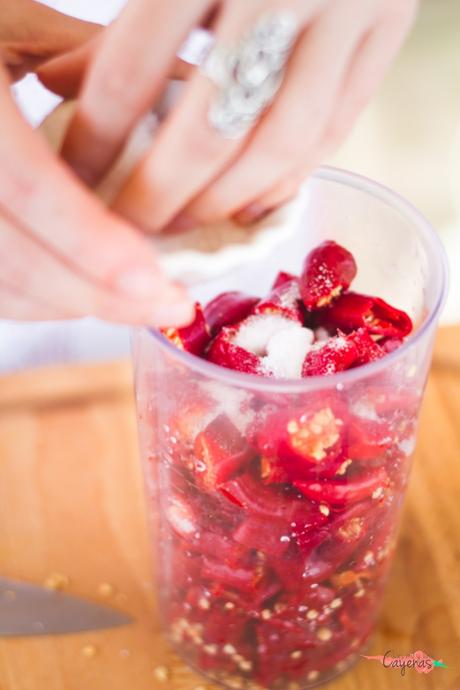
[286, 351]
[256, 331]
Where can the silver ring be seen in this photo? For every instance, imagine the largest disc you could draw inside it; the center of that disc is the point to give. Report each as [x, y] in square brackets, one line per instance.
[249, 74]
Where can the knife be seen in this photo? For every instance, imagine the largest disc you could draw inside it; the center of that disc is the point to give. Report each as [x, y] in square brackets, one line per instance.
[27, 609]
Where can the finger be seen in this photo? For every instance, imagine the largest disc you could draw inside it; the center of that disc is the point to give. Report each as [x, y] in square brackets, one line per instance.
[31, 33]
[271, 200]
[286, 138]
[160, 187]
[35, 273]
[64, 75]
[38, 194]
[367, 70]
[17, 307]
[368, 66]
[126, 75]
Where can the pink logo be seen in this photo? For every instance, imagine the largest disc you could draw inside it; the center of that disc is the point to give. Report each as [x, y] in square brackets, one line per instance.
[418, 661]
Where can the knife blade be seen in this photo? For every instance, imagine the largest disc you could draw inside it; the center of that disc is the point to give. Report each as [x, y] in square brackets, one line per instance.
[28, 609]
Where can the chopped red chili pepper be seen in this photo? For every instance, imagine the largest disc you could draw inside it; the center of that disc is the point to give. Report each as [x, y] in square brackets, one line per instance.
[193, 338]
[227, 309]
[328, 271]
[220, 452]
[225, 353]
[284, 299]
[334, 355]
[300, 439]
[342, 493]
[282, 277]
[352, 311]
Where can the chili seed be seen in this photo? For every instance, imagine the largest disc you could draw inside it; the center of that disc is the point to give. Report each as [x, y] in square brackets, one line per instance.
[344, 466]
[89, 651]
[313, 675]
[162, 673]
[324, 509]
[296, 655]
[204, 604]
[378, 493]
[336, 603]
[229, 649]
[56, 581]
[312, 614]
[324, 634]
[105, 589]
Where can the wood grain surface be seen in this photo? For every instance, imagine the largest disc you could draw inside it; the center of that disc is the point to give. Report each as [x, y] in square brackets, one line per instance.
[71, 502]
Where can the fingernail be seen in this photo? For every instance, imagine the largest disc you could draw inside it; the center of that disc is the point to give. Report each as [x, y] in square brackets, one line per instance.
[174, 313]
[251, 214]
[181, 223]
[139, 283]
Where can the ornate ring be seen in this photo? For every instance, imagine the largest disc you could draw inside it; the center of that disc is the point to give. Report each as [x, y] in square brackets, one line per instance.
[249, 74]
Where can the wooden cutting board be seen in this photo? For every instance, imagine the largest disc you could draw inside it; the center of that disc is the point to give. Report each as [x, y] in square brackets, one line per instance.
[71, 502]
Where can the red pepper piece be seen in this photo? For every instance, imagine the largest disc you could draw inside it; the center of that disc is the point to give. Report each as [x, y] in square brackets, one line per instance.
[282, 277]
[220, 452]
[352, 311]
[224, 627]
[268, 536]
[227, 309]
[217, 545]
[283, 300]
[342, 493]
[225, 353]
[294, 441]
[193, 338]
[243, 579]
[389, 345]
[289, 569]
[336, 354]
[368, 439]
[367, 349]
[257, 499]
[328, 270]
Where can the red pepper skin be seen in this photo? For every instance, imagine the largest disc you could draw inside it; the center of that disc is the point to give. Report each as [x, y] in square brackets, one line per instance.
[337, 354]
[283, 300]
[342, 493]
[263, 535]
[241, 579]
[227, 309]
[217, 545]
[193, 338]
[220, 451]
[367, 349]
[224, 352]
[368, 439]
[256, 499]
[328, 270]
[282, 277]
[293, 442]
[352, 311]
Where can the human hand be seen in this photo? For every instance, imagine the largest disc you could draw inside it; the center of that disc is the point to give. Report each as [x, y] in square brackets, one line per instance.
[64, 254]
[192, 173]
